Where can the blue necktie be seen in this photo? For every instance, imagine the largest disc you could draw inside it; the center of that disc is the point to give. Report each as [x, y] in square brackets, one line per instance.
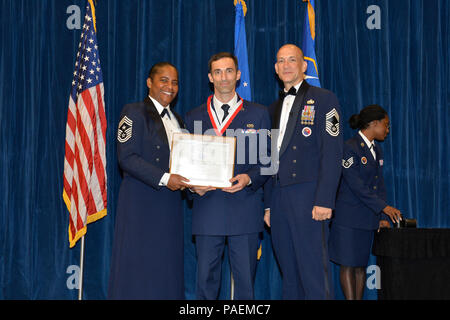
[225, 109]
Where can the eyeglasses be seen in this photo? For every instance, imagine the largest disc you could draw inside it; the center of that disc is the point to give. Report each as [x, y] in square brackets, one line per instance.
[387, 125]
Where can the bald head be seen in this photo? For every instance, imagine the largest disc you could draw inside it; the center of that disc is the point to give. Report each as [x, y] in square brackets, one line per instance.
[292, 48]
[290, 65]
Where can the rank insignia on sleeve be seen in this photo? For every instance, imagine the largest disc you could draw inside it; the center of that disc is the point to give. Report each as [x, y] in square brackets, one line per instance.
[125, 129]
[364, 160]
[347, 163]
[307, 117]
[332, 122]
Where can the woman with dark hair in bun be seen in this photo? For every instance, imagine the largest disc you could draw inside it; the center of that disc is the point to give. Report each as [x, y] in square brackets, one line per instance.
[361, 206]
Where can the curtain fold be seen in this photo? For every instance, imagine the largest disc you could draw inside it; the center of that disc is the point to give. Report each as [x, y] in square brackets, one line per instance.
[403, 67]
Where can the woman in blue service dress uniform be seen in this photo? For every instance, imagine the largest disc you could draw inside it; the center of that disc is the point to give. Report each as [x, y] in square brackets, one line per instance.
[361, 206]
[147, 254]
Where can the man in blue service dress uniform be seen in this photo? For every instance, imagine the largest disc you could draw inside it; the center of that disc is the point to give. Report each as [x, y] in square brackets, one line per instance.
[234, 214]
[304, 189]
[147, 257]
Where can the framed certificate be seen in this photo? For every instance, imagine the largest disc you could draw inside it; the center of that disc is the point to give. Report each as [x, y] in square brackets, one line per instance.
[205, 160]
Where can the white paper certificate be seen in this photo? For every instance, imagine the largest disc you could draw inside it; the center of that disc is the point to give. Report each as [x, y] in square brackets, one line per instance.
[205, 160]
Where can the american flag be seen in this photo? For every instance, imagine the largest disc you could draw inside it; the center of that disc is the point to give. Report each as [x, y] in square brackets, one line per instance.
[85, 156]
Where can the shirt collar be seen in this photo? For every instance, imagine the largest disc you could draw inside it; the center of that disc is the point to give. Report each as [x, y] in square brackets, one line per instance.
[158, 105]
[296, 86]
[232, 103]
[369, 143]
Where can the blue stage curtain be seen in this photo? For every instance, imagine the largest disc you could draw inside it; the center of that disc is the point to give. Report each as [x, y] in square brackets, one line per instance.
[403, 66]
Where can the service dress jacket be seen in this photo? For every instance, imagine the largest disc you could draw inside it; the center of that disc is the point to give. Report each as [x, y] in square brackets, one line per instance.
[147, 257]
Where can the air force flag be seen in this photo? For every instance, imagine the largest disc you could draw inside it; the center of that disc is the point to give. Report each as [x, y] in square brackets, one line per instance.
[240, 51]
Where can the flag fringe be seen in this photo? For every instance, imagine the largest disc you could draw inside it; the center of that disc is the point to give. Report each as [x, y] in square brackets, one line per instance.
[73, 239]
[90, 218]
[93, 14]
[66, 200]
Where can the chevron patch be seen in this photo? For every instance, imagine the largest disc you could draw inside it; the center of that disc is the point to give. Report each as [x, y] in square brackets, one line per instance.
[332, 122]
[125, 130]
[347, 163]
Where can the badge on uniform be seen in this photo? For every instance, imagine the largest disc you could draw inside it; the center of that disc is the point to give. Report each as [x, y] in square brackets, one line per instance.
[307, 115]
[381, 162]
[306, 131]
[364, 160]
[125, 129]
[347, 163]
[332, 122]
[251, 130]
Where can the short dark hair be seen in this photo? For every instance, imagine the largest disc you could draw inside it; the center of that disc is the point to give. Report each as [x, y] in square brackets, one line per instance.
[222, 55]
[155, 68]
[366, 115]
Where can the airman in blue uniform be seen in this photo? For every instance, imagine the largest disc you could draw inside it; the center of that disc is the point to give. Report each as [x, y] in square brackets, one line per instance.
[147, 256]
[303, 191]
[232, 215]
[361, 205]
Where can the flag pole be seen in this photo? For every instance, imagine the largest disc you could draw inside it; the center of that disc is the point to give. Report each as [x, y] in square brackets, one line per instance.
[85, 88]
[243, 89]
[80, 281]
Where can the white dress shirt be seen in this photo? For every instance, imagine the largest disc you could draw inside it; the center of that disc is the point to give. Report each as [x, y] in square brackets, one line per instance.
[171, 126]
[284, 117]
[369, 144]
[218, 114]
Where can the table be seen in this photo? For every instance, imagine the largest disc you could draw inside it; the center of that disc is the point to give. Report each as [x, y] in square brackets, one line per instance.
[414, 263]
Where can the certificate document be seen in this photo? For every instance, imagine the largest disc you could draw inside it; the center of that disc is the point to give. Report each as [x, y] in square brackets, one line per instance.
[205, 160]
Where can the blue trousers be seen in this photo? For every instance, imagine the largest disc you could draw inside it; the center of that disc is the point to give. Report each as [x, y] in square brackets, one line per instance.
[242, 255]
[300, 243]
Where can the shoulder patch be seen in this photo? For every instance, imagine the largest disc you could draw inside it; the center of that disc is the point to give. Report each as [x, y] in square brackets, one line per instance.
[125, 130]
[347, 163]
[332, 123]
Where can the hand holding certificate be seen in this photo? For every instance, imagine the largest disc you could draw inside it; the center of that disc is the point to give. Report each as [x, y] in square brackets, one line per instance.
[242, 180]
[205, 160]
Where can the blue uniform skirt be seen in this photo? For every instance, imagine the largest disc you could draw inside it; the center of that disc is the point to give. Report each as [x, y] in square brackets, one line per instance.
[350, 247]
